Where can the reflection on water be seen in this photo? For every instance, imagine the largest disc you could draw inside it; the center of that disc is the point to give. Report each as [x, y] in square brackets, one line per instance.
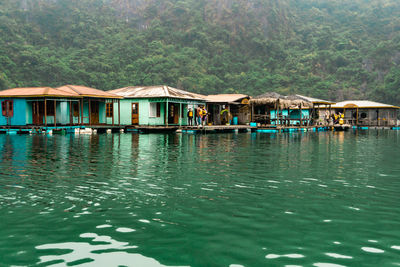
[321, 199]
[104, 251]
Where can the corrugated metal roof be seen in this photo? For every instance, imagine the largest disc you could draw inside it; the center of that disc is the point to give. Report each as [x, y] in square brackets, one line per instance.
[35, 92]
[270, 95]
[155, 91]
[87, 91]
[361, 104]
[225, 98]
[314, 100]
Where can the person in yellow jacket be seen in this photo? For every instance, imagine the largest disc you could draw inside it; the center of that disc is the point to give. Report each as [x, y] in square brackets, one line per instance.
[203, 115]
[190, 116]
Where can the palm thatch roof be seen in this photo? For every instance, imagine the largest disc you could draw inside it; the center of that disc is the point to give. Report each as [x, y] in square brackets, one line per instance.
[280, 101]
[298, 101]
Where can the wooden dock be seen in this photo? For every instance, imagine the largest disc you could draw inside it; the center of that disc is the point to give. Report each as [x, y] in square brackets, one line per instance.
[80, 129]
[216, 128]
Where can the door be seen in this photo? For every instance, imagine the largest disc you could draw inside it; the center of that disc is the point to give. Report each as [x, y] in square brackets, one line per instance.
[37, 112]
[173, 113]
[135, 113]
[94, 112]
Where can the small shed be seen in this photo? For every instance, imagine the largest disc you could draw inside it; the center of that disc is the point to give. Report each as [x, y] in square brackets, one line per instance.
[274, 108]
[160, 105]
[314, 113]
[367, 113]
[237, 105]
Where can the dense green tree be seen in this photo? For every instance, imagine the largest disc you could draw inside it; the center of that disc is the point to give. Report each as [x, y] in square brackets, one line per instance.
[330, 49]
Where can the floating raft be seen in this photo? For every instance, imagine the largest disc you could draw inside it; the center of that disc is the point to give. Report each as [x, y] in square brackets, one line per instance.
[216, 128]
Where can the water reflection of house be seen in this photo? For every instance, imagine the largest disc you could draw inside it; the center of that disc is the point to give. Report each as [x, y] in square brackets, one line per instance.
[236, 104]
[367, 113]
[66, 105]
[156, 105]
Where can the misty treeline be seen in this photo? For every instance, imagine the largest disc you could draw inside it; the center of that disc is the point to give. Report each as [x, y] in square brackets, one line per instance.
[331, 49]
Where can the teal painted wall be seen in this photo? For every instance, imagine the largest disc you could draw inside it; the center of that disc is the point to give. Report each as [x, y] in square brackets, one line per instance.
[115, 115]
[294, 114]
[20, 112]
[144, 112]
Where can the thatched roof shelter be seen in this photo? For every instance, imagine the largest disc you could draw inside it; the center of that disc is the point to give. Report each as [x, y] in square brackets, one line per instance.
[269, 98]
[280, 101]
[298, 101]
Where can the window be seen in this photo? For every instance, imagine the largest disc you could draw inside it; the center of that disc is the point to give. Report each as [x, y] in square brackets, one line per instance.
[75, 108]
[50, 108]
[155, 110]
[109, 110]
[7, 108]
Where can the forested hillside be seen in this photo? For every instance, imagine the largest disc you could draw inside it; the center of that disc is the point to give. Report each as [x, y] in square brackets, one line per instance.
[332, 49]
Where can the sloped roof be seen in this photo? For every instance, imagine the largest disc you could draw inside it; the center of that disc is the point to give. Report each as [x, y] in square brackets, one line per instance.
[225, 98]
[270, 95]
[311, 99]
[35, 92]
[361, 104]
[155, 91]
[80, 90]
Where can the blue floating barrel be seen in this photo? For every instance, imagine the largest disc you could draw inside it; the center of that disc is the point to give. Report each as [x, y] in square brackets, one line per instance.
[235, 121]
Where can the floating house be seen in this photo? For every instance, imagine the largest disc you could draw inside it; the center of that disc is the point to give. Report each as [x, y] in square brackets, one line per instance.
[310, 114]
[156, 105]
[99, 107]
[236, 107]
[275, 109]
[367, 113]
[46, 106]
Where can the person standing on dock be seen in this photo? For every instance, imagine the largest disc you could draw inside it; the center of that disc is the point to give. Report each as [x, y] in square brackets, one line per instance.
[198, 115]
[190, 117]
[203, 115]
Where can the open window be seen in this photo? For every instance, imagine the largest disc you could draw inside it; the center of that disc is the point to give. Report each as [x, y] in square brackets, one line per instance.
[75, 108]
[155, 109]
[7, 108]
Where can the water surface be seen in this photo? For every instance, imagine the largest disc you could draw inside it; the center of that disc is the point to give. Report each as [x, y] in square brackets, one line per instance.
[303, 199]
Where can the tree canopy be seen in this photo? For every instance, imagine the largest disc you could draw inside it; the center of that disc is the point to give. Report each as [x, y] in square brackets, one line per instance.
[330, 49]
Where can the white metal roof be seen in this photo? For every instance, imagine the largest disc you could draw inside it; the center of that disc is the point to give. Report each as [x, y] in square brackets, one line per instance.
[361, 104]
[315, 100]
[155, 91]
[225, 98]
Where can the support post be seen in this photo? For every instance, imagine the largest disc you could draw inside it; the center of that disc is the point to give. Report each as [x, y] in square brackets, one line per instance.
[252, 112]
[55, 114]
[301, 115]
[166, 107]
[180, 114]
[70, 113]
[357, 117]
[90, 113]
[119, 112]
[82, 111]
[45, 112]
[112, 115]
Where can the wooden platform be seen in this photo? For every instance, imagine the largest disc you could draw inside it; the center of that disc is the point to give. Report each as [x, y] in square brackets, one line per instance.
[216, 128]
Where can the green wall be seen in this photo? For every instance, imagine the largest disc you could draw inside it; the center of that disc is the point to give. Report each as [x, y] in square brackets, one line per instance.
[144, 112]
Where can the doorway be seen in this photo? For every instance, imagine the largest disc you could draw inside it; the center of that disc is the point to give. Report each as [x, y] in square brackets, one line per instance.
[173, 113]
[37, 112]
[94, 112]
[135, 113]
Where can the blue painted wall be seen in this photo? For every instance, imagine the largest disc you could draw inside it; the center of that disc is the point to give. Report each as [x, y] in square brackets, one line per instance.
[20, 113]
[294, 114]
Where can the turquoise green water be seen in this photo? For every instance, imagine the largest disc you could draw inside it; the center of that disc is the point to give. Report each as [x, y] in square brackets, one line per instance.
[305, 199]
